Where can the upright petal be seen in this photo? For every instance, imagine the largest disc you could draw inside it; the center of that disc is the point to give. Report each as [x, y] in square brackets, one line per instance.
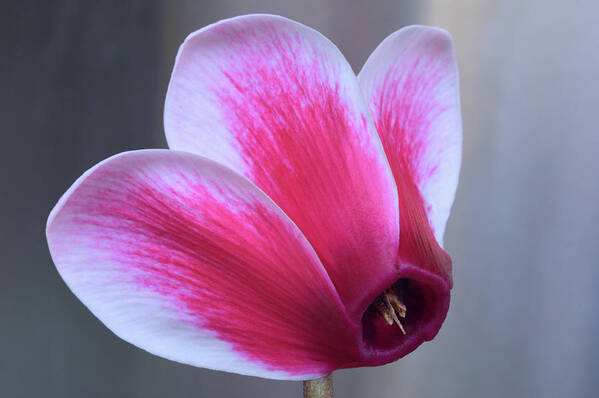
[190, 261]
[411, 85]
[277, 102]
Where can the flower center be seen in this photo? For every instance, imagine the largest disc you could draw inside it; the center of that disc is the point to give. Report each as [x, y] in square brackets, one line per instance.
[389, 328]
[391, 308]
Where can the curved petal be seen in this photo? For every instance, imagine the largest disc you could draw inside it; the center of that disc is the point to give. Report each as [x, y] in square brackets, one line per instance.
[411, 85]
[190, 261]
[277, 102]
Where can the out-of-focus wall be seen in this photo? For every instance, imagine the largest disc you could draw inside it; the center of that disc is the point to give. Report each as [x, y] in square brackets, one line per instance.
[83, 81]
[525, 228]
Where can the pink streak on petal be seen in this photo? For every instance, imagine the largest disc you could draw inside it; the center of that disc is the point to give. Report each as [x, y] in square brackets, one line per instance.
[295, 118]
[411, 85]
[223, 256]
[410, 82]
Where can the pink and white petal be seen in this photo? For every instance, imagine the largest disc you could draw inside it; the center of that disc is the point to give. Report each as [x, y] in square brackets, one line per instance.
[190, 261]
[277, 102]
[411, 85]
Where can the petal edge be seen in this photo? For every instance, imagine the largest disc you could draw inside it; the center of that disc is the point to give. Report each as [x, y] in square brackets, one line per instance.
[118, 248]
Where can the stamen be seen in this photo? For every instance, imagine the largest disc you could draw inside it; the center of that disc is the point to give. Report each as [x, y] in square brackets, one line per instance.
[382, 309]
[396, 302]
[389, 306]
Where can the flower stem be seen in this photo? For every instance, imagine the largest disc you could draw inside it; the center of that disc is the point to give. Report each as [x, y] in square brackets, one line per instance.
[319, 388]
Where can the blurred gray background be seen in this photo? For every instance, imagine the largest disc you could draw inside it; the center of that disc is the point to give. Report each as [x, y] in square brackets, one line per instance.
[83, 80]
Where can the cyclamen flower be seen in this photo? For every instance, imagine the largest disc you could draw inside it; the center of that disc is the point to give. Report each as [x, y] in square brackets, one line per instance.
[295, 225]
